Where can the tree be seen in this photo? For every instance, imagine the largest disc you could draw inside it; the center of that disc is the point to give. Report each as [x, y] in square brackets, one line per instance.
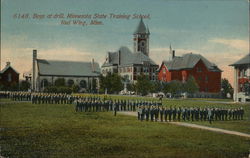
[111, 82]
[143, 85]
[175, 87]
[156, 86]
[94, 85]
[60, 82]
[24, 85]
[116, 83]
[75, 88]
[226, 88]
[130, 87]
[191, 85]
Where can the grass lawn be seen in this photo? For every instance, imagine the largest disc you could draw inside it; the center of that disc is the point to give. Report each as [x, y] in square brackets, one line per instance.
[5, 100]
[32, 131]
[241, 126]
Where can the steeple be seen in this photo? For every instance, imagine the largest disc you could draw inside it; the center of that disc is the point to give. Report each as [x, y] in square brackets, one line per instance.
[141, 28]
[141, 38]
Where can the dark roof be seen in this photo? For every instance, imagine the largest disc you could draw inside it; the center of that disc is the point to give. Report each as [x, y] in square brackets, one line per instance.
[126, 58]
[6, 68]
[141, 28]
[67, 68]
[188, 61]
[243, 61]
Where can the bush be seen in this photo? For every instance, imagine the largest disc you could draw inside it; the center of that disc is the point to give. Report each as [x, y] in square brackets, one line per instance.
[61, 89]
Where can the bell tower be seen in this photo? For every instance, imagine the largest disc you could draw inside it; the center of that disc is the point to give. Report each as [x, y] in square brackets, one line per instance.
[141, 38]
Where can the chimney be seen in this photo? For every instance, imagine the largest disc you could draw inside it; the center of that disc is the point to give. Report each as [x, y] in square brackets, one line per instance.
[34, 69]
[93, 65]
[108, 57]
[119, 57]
[7, 63]
[173, 54]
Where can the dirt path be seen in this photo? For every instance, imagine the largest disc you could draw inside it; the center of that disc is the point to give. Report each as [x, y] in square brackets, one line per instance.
[197, 126]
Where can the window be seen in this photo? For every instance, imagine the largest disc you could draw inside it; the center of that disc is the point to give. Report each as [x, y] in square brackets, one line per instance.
[200, 78]
[70, 82]
[164, 71]
[134, 69]
[206, 79]
[44, 83]
[83, 84]
[142, 44]
[183, 78]
[9, 77]
[206, 89]
[199, 69]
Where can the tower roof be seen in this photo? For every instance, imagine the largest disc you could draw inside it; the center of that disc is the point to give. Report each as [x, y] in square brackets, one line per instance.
[243, 61]
[141, 28]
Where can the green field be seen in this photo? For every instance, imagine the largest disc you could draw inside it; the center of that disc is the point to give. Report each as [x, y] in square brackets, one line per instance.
[32, 131]
[238, 125]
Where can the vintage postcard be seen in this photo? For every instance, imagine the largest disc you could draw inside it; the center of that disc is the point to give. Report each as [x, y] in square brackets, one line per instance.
[114, 78]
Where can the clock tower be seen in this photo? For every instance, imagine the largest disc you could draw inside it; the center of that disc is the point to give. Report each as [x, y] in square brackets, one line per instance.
[141, 38]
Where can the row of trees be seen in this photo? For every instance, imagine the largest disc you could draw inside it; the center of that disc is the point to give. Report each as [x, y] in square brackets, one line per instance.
[60, 86]
[113, 83]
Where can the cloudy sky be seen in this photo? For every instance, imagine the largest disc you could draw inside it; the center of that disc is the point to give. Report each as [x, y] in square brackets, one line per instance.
[216, 29]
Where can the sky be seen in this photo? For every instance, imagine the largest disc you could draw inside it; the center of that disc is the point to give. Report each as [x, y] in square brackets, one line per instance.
[216, 29]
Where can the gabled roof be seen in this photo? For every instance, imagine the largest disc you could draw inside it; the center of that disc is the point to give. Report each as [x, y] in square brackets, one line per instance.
[67, 68]
[243, 61]
[141, 28]
[188, 61]
[127, 58]
[6, 68]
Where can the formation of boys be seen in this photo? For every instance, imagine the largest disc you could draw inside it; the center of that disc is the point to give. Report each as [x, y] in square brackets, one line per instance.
[147, 110]
[95, 104]
[156, 113]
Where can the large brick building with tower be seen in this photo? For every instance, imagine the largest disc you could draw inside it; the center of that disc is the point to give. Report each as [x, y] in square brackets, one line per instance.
[206, 74]
[130, 64]
[242, 79]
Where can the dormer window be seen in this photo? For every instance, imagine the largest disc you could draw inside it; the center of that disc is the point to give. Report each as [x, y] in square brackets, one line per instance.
[199, 69]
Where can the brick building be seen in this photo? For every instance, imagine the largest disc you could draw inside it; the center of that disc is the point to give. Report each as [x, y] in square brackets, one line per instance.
[9, 76]
[206, 74]
[130, 64]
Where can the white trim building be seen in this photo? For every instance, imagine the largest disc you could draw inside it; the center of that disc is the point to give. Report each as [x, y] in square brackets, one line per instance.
[242, 79]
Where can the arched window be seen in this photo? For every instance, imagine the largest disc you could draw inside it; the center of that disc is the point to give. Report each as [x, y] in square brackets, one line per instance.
[70, 82]
[83, 84]
[44, 83]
